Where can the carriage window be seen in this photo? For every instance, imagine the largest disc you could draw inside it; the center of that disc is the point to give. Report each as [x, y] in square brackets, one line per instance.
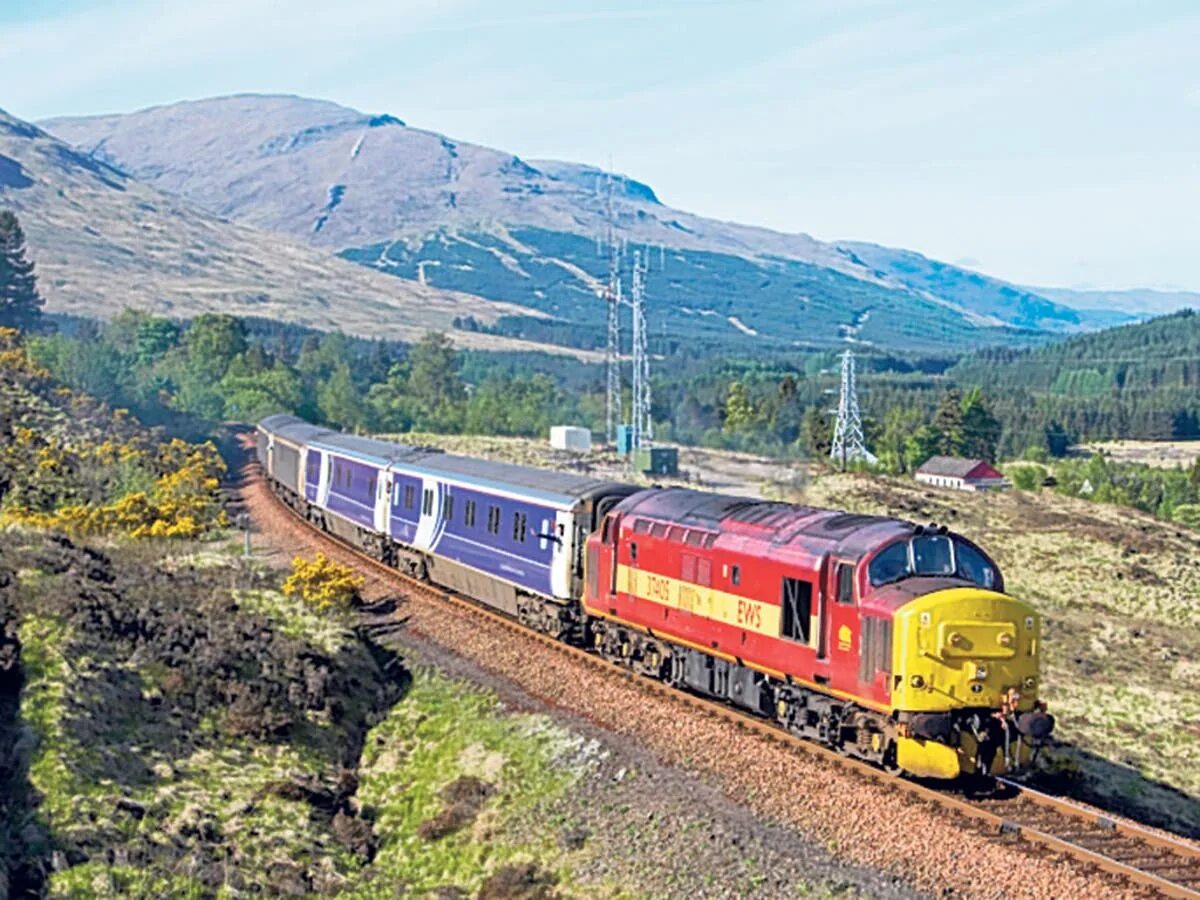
[469, 514]
[519, 527]
[932, 555]
[396, 494]
[449, 506]
[973, 565]
[427, 502]
[633, 552]
[493, 520]
[735, 575]
[845, 583]
[408, 496]
[371, 487]
[797, 609]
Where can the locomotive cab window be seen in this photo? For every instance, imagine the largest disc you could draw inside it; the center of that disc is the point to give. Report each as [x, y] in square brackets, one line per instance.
[797, 609]
[845, 583]
[933, 555]
[633, 551]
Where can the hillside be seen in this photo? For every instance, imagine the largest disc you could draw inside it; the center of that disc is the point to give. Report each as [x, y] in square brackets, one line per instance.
[986, 296]
[1165, 350]
[415, 203]
[1136, 381]
[103, 241]
[1138, 303]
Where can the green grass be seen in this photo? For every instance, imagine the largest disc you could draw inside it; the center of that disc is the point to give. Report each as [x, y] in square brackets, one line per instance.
[442, 730]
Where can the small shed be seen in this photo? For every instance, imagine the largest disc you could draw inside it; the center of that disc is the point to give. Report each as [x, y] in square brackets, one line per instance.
[656, 460]
[571, 437]
[961, 474]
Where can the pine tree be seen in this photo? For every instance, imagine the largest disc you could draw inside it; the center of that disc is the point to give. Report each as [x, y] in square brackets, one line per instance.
[948, 423]
[980, 428]
[20, 303]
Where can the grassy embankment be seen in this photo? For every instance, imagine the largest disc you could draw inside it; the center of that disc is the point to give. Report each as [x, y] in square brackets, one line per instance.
[127, 763]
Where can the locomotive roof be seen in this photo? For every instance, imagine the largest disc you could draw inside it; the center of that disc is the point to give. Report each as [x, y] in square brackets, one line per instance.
[767, 520]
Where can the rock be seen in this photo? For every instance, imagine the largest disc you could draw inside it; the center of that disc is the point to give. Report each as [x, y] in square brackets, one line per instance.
[355, 835]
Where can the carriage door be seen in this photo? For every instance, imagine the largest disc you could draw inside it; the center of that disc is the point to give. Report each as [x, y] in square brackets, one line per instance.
[326, 479]
[841, 632]
[383, 501]
[559, 533]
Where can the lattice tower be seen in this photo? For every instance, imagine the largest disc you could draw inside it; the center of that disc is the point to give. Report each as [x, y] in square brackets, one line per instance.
[642, 423]
[848, 441]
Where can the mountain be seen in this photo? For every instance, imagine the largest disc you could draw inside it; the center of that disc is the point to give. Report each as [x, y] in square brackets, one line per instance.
[418, 204]
[103, 241]
[1136, 303]
[987, 296]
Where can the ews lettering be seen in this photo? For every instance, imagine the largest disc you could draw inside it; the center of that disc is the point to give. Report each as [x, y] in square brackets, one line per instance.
[749, 614]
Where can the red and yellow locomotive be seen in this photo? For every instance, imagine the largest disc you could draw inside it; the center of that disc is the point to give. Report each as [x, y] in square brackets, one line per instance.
[888, 640]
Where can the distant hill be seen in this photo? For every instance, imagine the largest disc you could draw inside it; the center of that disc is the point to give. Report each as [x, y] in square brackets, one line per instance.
[419, 204]
[987, 296]
[1135, 381]
[103, 241]
[1139, 303]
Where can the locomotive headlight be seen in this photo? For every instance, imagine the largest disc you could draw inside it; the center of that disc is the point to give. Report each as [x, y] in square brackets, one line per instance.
[1029, 683]
[917, 681]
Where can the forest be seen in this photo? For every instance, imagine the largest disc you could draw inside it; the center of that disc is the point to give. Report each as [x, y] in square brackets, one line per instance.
[1136, 381]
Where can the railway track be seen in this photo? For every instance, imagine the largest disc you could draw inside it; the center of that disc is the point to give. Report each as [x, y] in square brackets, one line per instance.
[1015, 815]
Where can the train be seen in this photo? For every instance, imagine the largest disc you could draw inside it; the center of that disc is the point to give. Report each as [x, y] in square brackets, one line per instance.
[887, 640]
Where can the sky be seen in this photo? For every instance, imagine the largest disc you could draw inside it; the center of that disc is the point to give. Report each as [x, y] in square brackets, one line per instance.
[1050, 143]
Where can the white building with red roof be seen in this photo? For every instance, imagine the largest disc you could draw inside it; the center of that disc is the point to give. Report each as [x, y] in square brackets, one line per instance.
[961, 474]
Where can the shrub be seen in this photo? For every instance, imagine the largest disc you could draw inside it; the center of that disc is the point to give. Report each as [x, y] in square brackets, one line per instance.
[1027, 477]
[323, 583]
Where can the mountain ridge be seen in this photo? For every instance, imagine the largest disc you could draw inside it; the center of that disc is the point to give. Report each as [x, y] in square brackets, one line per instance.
[102, 240]
[415, 203]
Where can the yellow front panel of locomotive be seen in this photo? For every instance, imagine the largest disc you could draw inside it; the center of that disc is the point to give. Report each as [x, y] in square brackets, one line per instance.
[964, 647]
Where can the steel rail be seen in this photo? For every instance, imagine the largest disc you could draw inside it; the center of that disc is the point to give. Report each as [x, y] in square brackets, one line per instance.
[1060, 838]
